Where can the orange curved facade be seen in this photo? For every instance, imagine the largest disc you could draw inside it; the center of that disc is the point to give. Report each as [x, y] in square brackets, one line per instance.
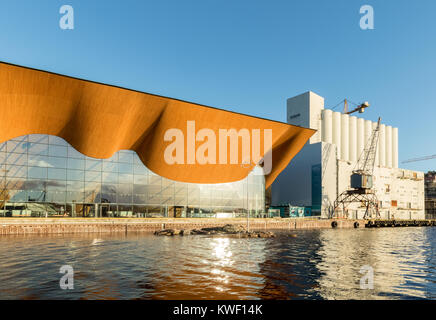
[98, 120]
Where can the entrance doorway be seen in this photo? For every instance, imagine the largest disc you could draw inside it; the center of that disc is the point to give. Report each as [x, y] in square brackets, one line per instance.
[179, 212]
[104, 210]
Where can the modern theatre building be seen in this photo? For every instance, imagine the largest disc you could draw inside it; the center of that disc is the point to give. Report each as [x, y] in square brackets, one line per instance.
[70, 147]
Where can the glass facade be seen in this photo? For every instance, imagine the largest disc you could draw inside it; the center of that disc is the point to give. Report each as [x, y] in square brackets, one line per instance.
[42, 175]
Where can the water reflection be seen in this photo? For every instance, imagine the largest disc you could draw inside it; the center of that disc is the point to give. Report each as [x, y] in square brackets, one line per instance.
[320, 264]
[402, 261]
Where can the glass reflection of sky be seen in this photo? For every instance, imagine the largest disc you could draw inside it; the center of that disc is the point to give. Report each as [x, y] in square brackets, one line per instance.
[48, 169]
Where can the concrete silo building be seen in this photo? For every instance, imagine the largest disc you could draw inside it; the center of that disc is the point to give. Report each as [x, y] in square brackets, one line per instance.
[321, 171]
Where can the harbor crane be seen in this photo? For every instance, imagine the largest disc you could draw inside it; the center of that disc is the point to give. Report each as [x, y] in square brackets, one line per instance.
[420, 159]
[360, 108]
[361, 182]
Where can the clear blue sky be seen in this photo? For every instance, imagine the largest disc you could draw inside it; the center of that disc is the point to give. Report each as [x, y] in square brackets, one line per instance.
[245, 56]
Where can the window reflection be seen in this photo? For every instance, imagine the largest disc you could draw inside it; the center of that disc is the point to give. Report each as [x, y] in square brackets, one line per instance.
[43, 175]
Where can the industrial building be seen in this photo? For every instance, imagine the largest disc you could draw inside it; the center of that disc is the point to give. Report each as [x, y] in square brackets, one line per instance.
[322, 170]
[430, 195]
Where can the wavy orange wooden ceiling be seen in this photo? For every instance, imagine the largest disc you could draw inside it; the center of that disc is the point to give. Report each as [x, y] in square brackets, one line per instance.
[99, 119]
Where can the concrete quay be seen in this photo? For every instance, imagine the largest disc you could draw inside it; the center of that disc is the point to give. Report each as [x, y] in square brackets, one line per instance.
[18, 226]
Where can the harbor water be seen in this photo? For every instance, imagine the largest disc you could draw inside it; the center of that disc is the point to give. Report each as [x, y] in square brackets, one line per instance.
[386, 263]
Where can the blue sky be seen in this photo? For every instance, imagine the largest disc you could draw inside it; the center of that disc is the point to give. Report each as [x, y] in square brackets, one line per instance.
[245, 56]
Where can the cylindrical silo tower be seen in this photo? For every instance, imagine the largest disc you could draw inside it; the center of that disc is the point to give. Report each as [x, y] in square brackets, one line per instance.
[389, 146]
[353, 138]
[327, 130]
[377, 153]
[382, 146]
[345, 134]
[360, 136]
[395, 147]
[368, 131]
[337, 131]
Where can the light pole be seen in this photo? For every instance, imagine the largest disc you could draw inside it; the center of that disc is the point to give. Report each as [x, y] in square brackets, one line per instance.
[248, 210]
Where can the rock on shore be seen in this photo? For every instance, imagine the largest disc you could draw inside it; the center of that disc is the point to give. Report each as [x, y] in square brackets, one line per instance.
[228, 229]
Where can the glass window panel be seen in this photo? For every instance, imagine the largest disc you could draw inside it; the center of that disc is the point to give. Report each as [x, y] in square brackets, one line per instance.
[216, 199]
[205, 191]
[227, 194]
[154, 198]
[58, 151]
[125, 178]
[17, 146]
[109, 166]
[153, 190]
[136, 159]
[125, 156]
[78, 164]
[56, 196]
[180, 188]
[139, 189]
[17, 196]
[151, 173]
[124, 198]
[95, 165]
[204, 202]
[16, 184]
[154, 180]
[125, 168]
[92, 197]
[169, 201]
[140, 198]
[179, 201]
[169, 192]
[36, 195]
[74, 196]
[194, 198]
[57, 162]
[77, 175]
[238, 203]
[140, 211]
[38, 161]
[57, 174]
[55, 185]
[125, 188]
[109, 188]
[93, 176]
[37, 173]
[39, 138]
[140, 169]
[73, 153]
[75, 185]
[12, 183]
[19, 159]
[57, 140]
[110, 177]
[37, 148]
[140, 179]
[93, 186]
[125, 211]
[109, 197]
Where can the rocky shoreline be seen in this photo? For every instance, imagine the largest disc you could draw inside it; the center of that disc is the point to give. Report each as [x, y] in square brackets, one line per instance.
[228, 229]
